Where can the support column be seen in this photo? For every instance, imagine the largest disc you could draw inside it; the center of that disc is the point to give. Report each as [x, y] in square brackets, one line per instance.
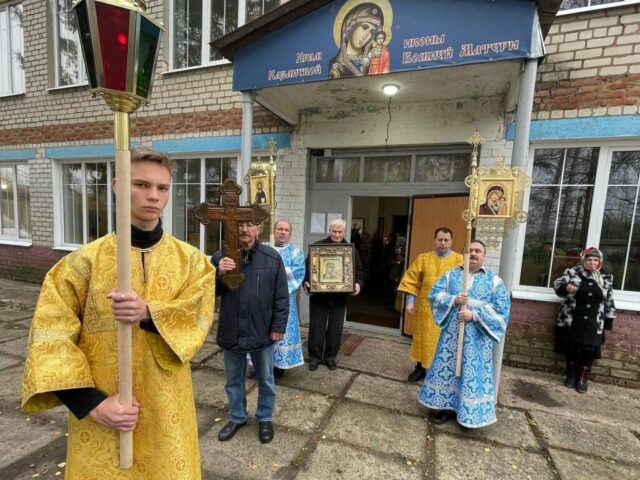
[245, 152]
[518, 159]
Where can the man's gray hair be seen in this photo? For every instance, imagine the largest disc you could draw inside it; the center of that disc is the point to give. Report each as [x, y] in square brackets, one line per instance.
[338, 221]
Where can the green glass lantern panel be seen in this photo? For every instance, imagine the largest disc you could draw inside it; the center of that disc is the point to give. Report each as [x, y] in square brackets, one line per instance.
[85, 40]
[113, 29]
[150, 35]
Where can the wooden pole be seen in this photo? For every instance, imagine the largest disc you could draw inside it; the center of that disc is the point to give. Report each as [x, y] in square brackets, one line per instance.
[475, 140]
[123, 256]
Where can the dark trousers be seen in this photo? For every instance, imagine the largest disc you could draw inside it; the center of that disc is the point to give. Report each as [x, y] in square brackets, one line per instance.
[581, 357]
[325, 330]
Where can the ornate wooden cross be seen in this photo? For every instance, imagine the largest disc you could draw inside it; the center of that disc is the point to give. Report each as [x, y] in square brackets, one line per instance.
[231, 214]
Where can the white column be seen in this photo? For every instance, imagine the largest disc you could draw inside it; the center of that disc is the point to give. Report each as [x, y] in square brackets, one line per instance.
[245, 152]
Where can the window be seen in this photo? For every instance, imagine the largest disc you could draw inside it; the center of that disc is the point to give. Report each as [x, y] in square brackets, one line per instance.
[15, 219]
[88, 202]
[67, 53]
[592, 4]
[196, 180]
[11, 50]
[583, 196]
[197, 22]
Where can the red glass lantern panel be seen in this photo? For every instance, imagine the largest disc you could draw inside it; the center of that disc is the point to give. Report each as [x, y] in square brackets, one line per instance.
[113, 28]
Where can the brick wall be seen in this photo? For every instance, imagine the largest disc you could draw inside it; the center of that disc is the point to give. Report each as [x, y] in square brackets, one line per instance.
[592, 67]
[530, 341]
[28, 264]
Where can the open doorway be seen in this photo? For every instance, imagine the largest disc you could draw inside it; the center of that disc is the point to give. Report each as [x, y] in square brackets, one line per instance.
[379, 227]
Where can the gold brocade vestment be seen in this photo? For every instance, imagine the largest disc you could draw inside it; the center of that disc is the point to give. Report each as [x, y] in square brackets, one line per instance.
[73, 344]
[418, 280]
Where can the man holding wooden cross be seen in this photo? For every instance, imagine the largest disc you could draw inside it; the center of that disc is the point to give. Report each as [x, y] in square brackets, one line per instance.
[485, 312]
[73, 347]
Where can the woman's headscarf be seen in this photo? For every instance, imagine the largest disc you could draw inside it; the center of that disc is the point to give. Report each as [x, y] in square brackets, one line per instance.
[366, 12]
[593, 252]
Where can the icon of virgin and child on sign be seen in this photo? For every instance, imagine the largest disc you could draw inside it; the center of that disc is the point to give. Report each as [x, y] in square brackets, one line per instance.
[362, 32]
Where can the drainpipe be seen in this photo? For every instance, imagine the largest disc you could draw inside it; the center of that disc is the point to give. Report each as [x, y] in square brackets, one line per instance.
[518, 159]
[245, 152]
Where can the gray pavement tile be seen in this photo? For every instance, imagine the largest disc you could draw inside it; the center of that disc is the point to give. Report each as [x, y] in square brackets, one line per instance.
[383, 392]
[382, 357]
[244, 457]
[208, 385]
[379, 429]
[591, 468]
[11, 384]
[217, 361]
[511, 429]
[12, 315]
[543, 391]
[208, 349]
[591, 438]
[44, 462]
[459, 458]
[295, 408]
[332, 460]
[7, 334]
[7, 360]
[22, 435]
[322, 381]
[16, 347]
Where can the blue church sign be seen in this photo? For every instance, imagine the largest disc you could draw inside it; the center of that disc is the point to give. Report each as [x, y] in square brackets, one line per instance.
[353, 38]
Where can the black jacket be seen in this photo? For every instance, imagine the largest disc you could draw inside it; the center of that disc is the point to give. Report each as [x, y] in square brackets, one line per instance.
[258, 307]
[336, 298]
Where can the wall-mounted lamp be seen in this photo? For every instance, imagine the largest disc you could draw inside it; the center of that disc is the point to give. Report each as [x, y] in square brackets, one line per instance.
[390, 89]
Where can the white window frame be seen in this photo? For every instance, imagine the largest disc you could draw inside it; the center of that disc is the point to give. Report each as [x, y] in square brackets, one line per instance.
[167, 218]
[55, 54]
[591, 8]
[58, 212]
[15, 239]
[16, 81]
[206, 34]
[626, 300]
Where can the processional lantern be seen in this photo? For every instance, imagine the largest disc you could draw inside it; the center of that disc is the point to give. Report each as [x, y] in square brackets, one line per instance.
[120, 44]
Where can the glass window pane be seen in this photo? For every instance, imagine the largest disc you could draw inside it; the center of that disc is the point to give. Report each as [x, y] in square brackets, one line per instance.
[24, 201]
[632, 275]
[212, 168]
[569, 4]
[547, 166]
[573, 226]
[193, 224]
[625, 168]
[7, 212]
[398, 169]
[254, 9]
[96, 187]
[229, 169]
[442, 167]
[231, 16]
[69, 54]
[187, 33]
[179, 212]
[543, 208]
[374, 169]
[338, 170]
[72, 203]
[580, 166]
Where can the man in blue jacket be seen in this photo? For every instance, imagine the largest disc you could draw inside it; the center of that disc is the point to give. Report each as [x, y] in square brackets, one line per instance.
[252, 318]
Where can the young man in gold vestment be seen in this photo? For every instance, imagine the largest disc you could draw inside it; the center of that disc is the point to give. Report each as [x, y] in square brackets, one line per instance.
[417, 281]
[73, 350]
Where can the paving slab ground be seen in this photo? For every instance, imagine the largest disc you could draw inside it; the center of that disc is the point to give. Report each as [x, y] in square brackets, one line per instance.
[361, 421]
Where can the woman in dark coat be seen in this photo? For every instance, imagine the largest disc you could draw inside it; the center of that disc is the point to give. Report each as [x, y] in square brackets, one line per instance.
[585, 313]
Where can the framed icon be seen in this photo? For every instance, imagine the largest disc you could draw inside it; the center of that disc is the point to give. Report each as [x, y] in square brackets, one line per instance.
[331, 268]
[496, 197]
[259, 189]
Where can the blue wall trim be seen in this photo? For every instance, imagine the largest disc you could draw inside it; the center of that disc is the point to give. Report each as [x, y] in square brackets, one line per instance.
[618, 126]
[80, 151]
[216, 144]
[23, 154]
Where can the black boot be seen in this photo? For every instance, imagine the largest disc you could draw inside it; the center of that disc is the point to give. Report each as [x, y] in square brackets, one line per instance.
[418, 374]
[570, 381]
[581, 384]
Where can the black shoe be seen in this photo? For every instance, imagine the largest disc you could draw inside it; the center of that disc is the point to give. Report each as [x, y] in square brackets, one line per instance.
[570, 380]
[581, 383]
[464, 429]
[229, 430]
[443, 416]
[313, 365]
[418, 374]
[331, 364]
[277, 372]
[265, 432]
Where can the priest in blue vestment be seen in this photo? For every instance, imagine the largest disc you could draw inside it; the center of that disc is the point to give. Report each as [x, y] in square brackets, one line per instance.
[287, 353]
[470, 397]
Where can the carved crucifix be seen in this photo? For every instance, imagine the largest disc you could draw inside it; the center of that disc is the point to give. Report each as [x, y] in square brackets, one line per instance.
[231, 214]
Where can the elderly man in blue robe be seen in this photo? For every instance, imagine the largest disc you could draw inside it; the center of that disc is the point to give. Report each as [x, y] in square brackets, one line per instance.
[470, 397]
[287, 353]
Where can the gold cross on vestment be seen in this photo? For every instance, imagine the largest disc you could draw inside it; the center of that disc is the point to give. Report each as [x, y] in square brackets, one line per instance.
[231, 214]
